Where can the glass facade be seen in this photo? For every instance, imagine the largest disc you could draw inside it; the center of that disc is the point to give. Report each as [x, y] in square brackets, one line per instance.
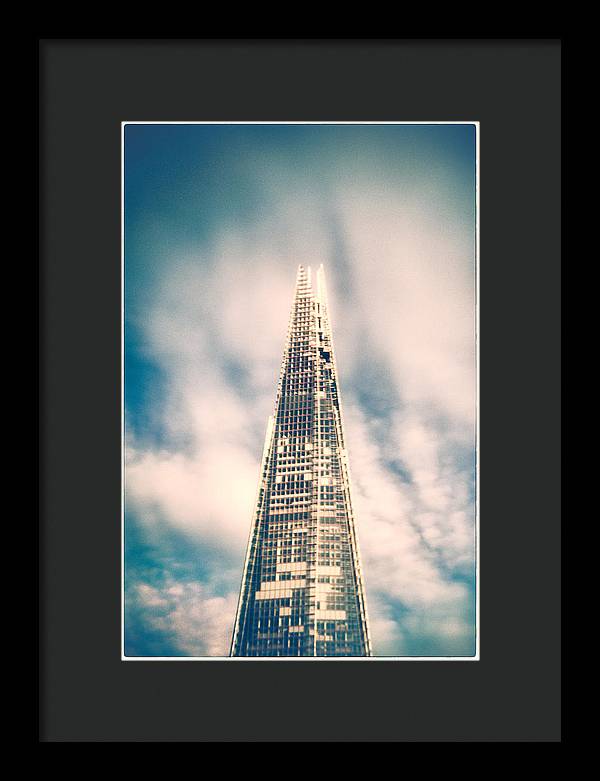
[302, 590]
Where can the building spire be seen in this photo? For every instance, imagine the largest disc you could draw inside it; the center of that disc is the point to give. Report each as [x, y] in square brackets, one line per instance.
[321, 286]
[303, 281]
[302, 588]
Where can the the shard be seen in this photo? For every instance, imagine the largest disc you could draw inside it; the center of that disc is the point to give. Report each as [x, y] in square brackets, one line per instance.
[302, 592]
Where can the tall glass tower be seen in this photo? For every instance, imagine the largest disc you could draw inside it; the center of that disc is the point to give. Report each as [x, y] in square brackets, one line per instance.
[302, 589]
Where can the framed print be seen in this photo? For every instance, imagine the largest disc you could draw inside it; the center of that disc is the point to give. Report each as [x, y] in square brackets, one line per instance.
[300, 392]
[218, 220]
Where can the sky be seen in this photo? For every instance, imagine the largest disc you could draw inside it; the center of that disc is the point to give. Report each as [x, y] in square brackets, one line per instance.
[217, 220]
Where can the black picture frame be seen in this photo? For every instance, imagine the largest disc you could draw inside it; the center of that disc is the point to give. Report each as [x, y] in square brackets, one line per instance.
[513, 89]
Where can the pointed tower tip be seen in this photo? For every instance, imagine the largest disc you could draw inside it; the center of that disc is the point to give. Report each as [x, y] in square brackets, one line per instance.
[321, 286]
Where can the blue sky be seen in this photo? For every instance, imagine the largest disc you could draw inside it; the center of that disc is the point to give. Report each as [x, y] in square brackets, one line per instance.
[217, 219]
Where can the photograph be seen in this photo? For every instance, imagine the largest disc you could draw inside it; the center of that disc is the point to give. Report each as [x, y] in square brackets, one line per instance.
[300, 403]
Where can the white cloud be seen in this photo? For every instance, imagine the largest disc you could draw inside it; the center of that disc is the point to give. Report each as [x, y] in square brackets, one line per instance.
[414, 284]
[208, 495]
[197, 621]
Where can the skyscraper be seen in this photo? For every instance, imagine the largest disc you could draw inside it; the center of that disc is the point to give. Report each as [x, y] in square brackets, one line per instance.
[302, 589]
